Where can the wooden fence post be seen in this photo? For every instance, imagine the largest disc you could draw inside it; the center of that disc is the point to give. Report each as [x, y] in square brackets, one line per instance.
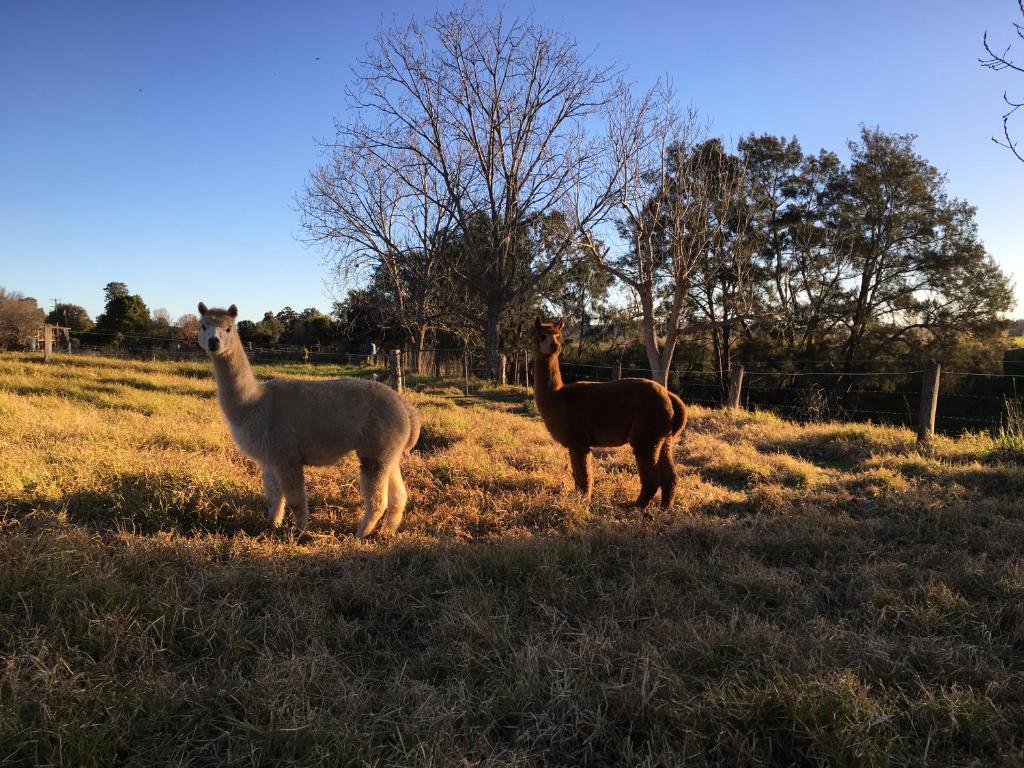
[502, 368]
[47, 342]
[395, 370]
[465, 367]
[526, 370]
[929, 401]
[735, 386]
[617, 370]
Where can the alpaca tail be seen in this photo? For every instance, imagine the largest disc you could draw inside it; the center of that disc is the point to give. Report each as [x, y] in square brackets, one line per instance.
[414, 427]
[678, 414]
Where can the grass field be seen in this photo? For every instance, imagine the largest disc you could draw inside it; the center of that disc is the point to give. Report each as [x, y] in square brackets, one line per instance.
[820, 595]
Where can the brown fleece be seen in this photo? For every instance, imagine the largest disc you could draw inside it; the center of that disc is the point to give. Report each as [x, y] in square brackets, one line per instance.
[587, 415]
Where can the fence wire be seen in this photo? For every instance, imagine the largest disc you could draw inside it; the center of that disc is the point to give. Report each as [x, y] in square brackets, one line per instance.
[967, 399]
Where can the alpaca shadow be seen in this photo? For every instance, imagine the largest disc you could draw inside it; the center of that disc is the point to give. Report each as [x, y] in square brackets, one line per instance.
[154, 503]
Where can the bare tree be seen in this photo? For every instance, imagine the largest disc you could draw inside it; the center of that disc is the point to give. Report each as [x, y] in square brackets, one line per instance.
[187, 327]
[20, 319]
[497, 109]
[673, 194]
[380, 212]
[998, 62]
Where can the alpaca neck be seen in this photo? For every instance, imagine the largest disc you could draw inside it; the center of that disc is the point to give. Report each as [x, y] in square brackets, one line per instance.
[237, 387]
[547, 379]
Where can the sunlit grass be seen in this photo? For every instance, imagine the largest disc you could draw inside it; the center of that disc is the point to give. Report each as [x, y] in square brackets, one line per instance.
[819, 595]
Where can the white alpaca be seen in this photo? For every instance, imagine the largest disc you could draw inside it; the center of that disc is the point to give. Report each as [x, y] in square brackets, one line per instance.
[286, 424]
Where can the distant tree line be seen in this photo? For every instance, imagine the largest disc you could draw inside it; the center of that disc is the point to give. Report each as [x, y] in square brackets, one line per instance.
[127, 321]
[490, 171]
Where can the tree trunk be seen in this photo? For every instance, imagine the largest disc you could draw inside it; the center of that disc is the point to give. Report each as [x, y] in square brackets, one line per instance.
[651, 338]
[492, 340]
[668, 350]
[417, 341]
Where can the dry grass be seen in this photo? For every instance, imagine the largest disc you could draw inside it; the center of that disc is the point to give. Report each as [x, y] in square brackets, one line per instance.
[820, 595]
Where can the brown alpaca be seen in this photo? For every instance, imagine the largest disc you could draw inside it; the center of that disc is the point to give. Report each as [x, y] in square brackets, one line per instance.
[589, 414]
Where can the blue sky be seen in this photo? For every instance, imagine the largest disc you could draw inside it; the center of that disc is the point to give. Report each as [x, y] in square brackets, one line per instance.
[162, 144]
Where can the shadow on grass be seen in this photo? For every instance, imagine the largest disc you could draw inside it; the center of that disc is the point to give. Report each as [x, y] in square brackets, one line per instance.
[433, 440]
[842, 449]
[147, 386]
[152, 503]
[89, 394]
[689, 638]
[521, 402]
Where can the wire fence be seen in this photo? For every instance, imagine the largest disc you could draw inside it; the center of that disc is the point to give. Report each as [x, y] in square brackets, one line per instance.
[967, 400]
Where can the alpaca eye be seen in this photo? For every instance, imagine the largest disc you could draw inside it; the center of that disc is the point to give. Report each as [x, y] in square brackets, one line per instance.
[202, 327]
[227, 330]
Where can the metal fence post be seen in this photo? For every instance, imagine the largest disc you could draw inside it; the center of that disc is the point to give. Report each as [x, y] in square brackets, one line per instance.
[929, 401]
[395, 370]
[735, 386]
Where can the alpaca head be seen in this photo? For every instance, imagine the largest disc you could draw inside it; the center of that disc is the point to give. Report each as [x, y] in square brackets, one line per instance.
[547, 337]
[217, 332]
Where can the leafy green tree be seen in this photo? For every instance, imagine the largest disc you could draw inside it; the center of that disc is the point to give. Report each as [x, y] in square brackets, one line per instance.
[578, 293]
[313, 327]
[288, 318]
[860, 264]
[917, 262]
[71, 316]
[115, 290]
[125, 315]
[247, 331]
[270, 329]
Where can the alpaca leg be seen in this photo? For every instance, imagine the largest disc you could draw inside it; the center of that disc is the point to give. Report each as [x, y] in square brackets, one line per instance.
[580, 460]
[274, 496]
[373, 483]
[667, 474]
[294, 484]
[646, 464]
[397, 498]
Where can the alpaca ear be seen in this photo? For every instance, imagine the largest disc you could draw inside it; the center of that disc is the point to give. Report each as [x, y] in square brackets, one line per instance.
[233, 311]
[537, 322]
[558, 323]
[202, 308]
